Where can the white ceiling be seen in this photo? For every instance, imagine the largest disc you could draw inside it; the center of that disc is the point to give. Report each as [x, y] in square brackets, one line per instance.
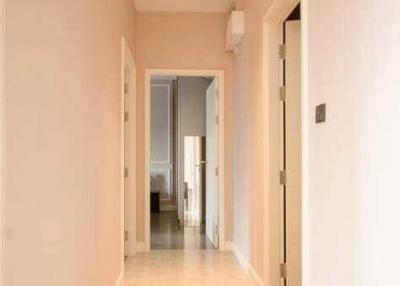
[184, 5]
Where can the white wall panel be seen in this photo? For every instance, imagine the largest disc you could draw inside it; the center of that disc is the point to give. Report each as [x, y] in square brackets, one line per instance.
[161, 140]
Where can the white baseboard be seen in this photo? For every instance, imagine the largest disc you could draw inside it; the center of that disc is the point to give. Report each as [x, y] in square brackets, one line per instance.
[120, 279]
[255, 278]
[140, 247]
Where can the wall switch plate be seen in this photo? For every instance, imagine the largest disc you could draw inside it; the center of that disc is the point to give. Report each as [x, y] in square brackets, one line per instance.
[320, 113]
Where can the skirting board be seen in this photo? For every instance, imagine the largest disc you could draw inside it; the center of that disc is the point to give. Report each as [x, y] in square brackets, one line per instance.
[140, 247]
[255, 278]
[120, 280]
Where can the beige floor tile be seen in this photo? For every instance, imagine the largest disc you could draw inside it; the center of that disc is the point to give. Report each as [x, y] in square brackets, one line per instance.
[185, 268]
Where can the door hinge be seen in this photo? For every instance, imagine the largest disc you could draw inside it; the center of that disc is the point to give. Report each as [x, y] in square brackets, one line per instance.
[217, 119]
[282, 52]
[126, 88]
[282, 93]
[283, 270]
[126, 172]
[216, 171]
[282, 177]
[126, 235]
[126, 116]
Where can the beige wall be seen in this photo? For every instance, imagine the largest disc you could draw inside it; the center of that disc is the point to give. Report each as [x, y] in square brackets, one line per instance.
[331, 194]
[184, 41]
[352, 198]
[63, 75]
[350, 234]
[250, 183]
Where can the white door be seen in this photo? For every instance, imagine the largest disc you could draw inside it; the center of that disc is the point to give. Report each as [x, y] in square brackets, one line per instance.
[212, 197]
[293, 153]
[192, 176]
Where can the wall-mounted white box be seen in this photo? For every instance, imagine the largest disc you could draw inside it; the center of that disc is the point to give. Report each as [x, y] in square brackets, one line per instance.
[235, 30]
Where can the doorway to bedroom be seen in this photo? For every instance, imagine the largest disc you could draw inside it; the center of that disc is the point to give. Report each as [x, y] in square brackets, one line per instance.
[184, 195]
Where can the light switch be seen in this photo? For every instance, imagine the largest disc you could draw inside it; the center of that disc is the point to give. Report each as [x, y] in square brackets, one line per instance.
[320, 113]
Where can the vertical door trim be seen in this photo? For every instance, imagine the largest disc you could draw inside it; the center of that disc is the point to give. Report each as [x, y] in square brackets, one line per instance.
[305, 111]
[221, 135]
[272, 38]
[292, 151]
[127, 59]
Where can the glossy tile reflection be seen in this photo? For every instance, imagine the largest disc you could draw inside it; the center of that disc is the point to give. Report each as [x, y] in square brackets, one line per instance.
[185, 268]
[167, 234]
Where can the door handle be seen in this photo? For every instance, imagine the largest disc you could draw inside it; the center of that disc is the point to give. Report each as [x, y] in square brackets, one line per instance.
[201, 163]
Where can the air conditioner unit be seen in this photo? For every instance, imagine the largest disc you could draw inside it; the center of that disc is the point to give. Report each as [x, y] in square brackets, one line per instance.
[235, 30]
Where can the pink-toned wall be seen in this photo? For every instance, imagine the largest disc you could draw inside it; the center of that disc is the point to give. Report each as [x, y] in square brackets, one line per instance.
[351, 162]
[63, 75]
[249, 174]
[184, 41]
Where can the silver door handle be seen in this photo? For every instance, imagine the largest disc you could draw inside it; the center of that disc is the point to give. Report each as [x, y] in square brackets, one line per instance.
[201, 163]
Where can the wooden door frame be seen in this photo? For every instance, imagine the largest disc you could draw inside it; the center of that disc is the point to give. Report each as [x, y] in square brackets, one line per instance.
[272, 38]
[127, 59]
[221, 136]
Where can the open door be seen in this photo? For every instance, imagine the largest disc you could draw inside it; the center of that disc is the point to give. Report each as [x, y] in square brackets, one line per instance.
[193, 180]
[212, 192]
[293, 152]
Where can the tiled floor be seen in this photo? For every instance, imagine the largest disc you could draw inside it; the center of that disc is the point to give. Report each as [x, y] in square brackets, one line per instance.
[185, 268]
[167, 234]
[182, 257]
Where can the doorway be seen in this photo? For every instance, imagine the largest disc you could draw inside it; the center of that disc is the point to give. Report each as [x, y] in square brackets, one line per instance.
[176, 198]
[283, 105]
[291, 148]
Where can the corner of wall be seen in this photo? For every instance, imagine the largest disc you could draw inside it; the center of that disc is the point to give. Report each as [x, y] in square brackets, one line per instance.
[120, 279]
[251, 272]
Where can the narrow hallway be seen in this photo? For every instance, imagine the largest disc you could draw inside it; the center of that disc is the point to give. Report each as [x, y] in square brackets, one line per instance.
[185, 268]
[199, 142]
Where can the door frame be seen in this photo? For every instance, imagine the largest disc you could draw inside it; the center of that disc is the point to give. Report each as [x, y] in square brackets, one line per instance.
[2, 131]
[221, 136]
[127, 59]
[272, 38]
